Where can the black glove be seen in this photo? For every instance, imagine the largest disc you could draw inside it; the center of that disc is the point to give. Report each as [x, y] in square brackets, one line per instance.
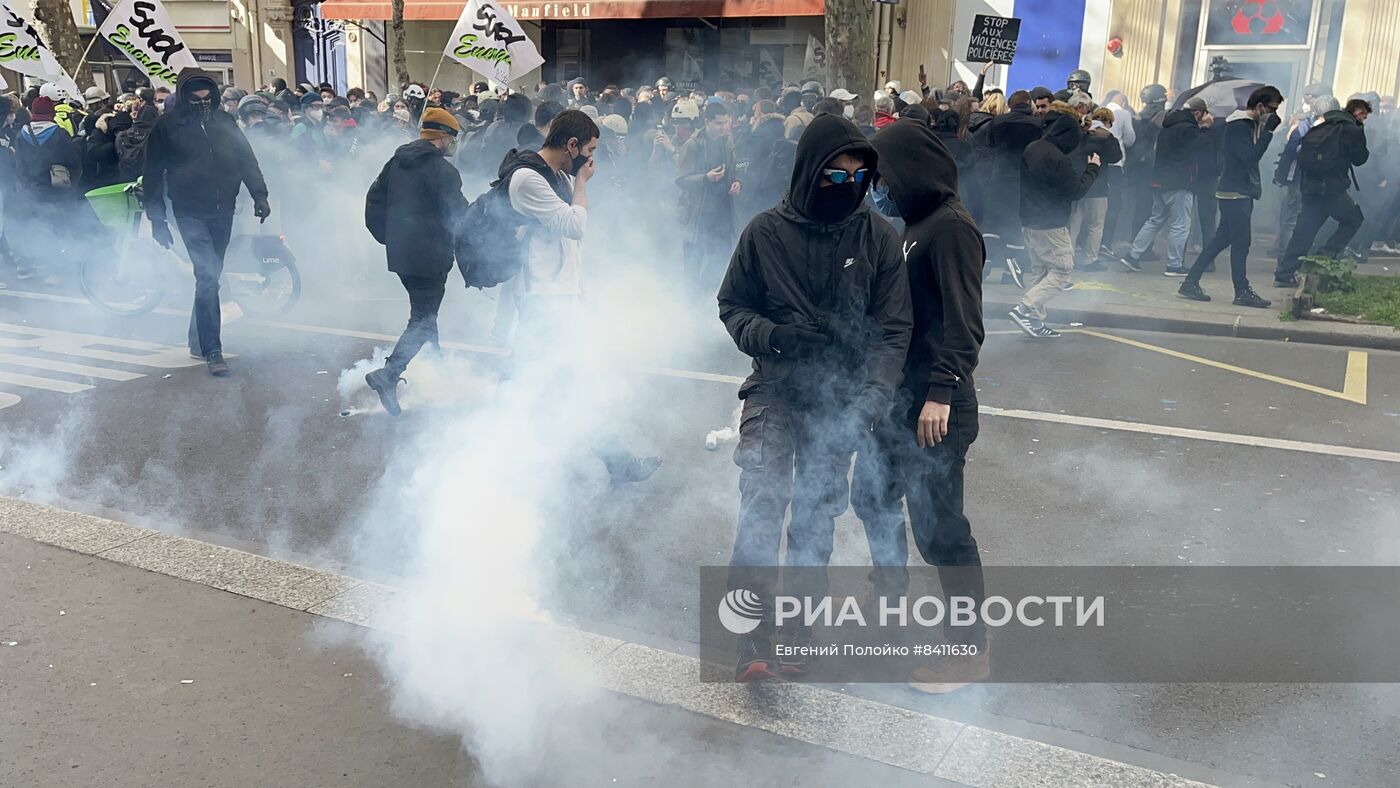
[160, 231]
[261, 209]
[797, 340]
[1273, 122]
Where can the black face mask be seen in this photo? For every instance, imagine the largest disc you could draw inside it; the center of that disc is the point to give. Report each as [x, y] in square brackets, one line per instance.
[833, 203]
[580, 161]
[202, 109]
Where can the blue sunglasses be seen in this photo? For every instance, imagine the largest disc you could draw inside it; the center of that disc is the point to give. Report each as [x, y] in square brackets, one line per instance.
[841, 176]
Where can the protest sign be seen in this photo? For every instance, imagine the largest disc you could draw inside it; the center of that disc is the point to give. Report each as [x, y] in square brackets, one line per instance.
[143, 30]
[21, 49]
[993, 39]
[489, 41]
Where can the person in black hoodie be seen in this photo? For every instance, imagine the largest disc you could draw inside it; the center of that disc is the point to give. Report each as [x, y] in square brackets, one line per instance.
[415, 208]
[1248, 133]
[102, 163]
[919, 451]
[1326, 157]
[197, 155]
[816, 294]
[1005, 138]
[1050, 184]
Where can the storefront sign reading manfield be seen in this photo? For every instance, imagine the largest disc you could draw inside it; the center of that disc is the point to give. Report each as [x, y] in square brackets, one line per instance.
[993, 39]
[488, 40]
[143, 30]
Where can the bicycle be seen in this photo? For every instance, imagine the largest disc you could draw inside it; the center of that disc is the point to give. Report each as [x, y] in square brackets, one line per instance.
[131, 276]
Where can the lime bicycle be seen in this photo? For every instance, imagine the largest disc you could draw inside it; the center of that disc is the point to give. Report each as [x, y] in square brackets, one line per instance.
[132, 274]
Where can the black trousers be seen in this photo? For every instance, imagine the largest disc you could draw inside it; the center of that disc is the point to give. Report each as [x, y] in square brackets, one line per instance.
[1317, 209]
[424, 298]
[1236, 231]
[893, 469]
[206, 241]
[788, 456]
[1206, 211]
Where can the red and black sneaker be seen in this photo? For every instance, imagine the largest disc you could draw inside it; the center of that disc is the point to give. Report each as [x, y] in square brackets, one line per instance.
[755, 658]
[796, 661]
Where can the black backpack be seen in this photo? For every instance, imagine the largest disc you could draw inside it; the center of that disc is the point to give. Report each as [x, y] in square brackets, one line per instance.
[490, 247]
[1320, 152]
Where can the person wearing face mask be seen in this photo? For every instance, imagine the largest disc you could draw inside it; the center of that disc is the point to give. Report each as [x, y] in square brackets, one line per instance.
[550, 190]
[415, 208]
[709, 182]
[309, 128]
[816, 294]
[197, 155]
[848, 102]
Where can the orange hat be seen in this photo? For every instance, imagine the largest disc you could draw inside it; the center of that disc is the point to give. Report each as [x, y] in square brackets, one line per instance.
[438, 124]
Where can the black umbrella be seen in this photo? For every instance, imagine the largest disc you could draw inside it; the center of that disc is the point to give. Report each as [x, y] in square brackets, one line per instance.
[1222, 96]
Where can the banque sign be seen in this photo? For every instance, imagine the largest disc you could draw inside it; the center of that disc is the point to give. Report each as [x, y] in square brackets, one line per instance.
[143, 30]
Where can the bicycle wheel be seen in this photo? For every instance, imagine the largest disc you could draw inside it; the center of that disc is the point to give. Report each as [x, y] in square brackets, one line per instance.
[262, 276]
[125, 280]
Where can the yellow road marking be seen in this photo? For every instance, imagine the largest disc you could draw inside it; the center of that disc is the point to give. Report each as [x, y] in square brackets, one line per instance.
[1353, 389]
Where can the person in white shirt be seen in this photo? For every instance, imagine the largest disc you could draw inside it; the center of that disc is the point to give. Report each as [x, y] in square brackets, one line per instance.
[1120, 196]
[555, 200]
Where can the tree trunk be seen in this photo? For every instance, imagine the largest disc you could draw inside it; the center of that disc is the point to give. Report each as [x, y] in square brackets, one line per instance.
[400, 56]
[55, 17]
[850, 46]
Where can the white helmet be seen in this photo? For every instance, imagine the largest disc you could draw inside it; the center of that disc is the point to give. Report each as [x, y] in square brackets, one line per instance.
[685, 109]
[54, 92]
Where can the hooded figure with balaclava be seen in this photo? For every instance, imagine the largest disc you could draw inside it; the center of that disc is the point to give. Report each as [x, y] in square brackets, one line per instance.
[817, 296]
[918, 454]
[1050, 184]
[198, 157]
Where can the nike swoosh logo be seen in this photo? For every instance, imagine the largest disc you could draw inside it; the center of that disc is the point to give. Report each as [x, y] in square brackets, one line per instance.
[850, 261]
[909, 247]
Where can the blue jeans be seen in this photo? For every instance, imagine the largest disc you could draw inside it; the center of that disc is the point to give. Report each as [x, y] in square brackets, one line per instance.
[1173, 210]
[206, 240]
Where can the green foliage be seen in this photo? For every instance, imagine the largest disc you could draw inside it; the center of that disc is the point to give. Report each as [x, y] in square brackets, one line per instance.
[1330, 275]
[1374, 299]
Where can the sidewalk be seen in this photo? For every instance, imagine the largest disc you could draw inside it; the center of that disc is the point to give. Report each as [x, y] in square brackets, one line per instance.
[131, 657]
[1147, 300]
[122, 677]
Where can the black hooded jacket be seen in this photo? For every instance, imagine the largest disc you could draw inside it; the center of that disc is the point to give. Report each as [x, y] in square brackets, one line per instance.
[844, 279]
[200, 164]
[1006, 137]
[1181, 146]
[1049, 181]
[943, 254]
[415, 208]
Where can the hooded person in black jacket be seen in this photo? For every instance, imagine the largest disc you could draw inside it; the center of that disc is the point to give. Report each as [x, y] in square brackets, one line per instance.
[415, 208]
[816, 294]
[1326, 157]
[919, 451]
[1182, 147]
[1050, 184]
[1248, 133]
[198, 156]
[1005, 138]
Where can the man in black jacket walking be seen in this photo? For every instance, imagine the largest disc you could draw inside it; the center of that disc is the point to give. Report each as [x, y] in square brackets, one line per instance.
[1181, 146]
[1248, 133]
[1005, 138]
[1326, 157]
[816, 294]
[199, 157]
[919, 451]
[1050, 184]
[415, 208]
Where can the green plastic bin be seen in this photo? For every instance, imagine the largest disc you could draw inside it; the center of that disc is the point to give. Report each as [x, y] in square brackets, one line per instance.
[115, 205]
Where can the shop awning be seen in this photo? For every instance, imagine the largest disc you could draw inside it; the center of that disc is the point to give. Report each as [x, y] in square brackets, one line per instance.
[530, 10]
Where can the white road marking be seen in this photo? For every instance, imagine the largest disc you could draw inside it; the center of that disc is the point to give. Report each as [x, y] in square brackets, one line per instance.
[86, 370]
[1204, 435]
[47, 384]
[1257, 441]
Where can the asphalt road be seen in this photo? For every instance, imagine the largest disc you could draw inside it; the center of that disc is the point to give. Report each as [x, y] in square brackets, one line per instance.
[265, 459]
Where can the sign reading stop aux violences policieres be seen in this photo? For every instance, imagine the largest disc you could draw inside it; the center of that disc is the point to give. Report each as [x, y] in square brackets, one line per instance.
[488, 40]
[993, 39]
[143, 30]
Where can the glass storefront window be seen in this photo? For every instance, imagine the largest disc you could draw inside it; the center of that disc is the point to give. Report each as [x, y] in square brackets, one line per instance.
[1258, 22]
